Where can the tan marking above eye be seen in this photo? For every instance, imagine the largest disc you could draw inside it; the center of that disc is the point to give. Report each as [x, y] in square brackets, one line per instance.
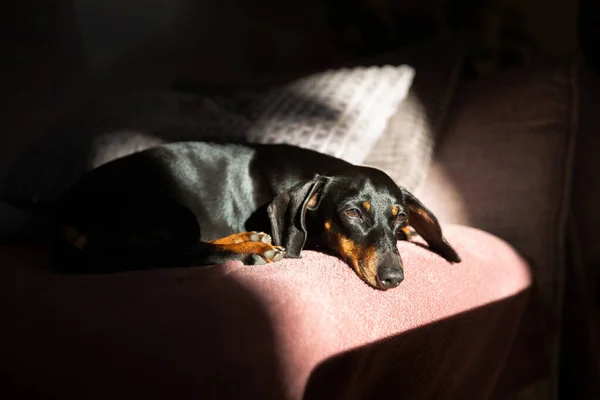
[395, 210]
[366, 205]
[327, 225]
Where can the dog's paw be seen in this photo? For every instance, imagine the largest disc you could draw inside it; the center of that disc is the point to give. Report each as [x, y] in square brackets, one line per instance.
[276, 253]
[266, 255]
[259, 237]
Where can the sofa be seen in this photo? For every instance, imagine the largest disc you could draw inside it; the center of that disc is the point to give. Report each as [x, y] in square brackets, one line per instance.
[499, 178]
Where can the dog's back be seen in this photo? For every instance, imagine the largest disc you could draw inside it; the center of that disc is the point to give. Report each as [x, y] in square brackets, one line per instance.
[222, 184]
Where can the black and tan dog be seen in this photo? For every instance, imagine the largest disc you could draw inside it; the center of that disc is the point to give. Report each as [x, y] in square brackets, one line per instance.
[197, 203]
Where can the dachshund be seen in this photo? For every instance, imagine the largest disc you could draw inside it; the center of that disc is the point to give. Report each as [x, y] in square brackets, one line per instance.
[205, 203]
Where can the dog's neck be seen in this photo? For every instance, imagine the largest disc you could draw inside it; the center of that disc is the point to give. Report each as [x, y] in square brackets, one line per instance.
[314, 232]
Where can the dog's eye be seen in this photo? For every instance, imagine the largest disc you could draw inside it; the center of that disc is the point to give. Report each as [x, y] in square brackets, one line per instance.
[401, 217]
[353, 212]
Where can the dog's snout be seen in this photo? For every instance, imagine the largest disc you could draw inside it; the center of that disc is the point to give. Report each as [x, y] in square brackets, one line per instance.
[390, 273]
[390, 278]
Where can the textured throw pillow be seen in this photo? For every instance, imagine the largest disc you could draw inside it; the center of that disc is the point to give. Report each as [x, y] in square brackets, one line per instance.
[406, 148]
[339, 112]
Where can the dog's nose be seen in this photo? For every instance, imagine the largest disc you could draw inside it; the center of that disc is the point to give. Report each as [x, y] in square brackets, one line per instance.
[390, 277]
[389, 271]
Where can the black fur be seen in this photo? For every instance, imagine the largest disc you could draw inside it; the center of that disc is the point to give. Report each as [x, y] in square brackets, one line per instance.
[163, 207]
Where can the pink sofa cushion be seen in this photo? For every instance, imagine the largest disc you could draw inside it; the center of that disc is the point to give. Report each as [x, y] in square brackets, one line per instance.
[306, 327]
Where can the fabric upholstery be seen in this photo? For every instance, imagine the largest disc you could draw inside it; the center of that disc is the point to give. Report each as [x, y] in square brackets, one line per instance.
[586, 185]
[581, 341]
[304, 328]
[43, 63]
[504, 165]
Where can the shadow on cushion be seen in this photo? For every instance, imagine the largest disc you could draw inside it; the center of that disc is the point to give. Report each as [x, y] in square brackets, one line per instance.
[452, 358]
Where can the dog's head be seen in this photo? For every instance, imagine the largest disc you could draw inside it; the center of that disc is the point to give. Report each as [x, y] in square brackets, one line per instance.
[356, 214]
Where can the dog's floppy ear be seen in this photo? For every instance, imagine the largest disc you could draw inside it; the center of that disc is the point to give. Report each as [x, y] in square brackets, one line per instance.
[428, 227]
[287, 214]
